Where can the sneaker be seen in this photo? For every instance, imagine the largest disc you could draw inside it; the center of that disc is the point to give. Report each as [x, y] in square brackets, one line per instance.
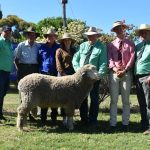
[147, 132]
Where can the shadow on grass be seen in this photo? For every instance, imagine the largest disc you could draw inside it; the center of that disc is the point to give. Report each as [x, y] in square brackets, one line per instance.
[102, 128]
[58, 127]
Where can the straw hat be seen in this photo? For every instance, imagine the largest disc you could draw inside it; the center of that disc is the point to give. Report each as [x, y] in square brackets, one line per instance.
[66, 36]
[31, 30]
[50, 32]
[118, 23]
[142, 27]
[92, 31]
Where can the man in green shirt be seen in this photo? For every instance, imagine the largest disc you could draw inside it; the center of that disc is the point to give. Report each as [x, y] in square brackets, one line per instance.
[91, 52]
[6, 61]
[142, 71]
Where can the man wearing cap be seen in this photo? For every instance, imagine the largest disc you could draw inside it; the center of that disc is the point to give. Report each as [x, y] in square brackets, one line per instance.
[91, 52]
[47, 64]
[26, 56]
[6, 63]
[142, 71]
[121, 54]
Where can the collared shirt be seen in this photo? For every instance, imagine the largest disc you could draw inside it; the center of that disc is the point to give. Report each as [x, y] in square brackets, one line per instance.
[27, 54]
[98, 57]
[128, 54]
[142, 66]
[47, 59]
[6, 55]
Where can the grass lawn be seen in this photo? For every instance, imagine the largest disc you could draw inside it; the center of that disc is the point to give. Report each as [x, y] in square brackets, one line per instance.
[53, 137]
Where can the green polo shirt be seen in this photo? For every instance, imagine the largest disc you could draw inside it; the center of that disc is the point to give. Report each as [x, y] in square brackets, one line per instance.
[6, 55]
[142, 66]
[98, 57]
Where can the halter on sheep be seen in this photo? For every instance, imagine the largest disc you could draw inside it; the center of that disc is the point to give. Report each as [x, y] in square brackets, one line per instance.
[67, 92]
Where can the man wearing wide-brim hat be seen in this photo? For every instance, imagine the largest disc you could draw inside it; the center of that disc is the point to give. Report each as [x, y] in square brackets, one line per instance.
[121, 55]
[118, 24]
[26, 56]
[91, 52]
[142, 71]
[50, 32]
[47, 65]
[31, 31]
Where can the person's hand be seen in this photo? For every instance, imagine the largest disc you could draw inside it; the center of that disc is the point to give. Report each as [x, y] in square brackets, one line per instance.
[115, 69]
[120, 73]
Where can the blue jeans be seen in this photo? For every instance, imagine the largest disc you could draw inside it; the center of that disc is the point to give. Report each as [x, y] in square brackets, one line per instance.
[92, 113]
[4, 84]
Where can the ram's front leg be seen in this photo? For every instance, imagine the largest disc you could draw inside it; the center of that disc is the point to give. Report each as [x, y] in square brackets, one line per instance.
[70, 123]
[69, 114]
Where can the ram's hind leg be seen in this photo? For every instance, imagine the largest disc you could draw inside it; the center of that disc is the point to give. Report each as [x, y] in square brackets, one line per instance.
[22, 117]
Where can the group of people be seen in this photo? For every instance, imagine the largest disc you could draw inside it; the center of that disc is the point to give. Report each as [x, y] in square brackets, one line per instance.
[120, 59]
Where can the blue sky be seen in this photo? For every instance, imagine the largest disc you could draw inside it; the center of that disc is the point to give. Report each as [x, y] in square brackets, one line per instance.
[98, 13]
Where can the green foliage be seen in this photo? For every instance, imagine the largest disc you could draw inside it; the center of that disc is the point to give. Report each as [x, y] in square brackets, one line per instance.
[51, 22]
[76, 29]
[13, 20]
[106, 38]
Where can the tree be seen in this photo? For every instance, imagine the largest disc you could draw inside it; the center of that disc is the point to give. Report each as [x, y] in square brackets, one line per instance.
[75, 27]
[19, 26]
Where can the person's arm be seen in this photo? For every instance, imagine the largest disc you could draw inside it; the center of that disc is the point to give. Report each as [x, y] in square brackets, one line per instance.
[59, 65]
[17, 56]
[76, 59]
[132, 58]
[103, 64]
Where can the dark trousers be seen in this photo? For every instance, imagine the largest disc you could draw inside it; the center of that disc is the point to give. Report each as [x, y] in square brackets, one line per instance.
[143, 95]
[91, 114]
[54, 114]
[4, 84]
[25, 69]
